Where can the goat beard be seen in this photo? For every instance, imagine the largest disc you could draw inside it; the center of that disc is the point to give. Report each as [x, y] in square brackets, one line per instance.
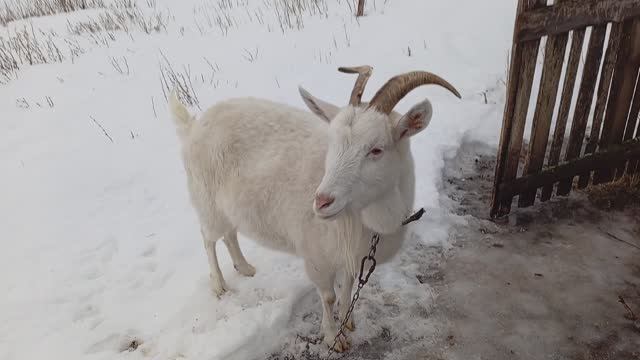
[386, 214]
[350, 241]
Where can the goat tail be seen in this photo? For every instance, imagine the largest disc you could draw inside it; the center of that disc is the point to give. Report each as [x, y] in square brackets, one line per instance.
[181, 116]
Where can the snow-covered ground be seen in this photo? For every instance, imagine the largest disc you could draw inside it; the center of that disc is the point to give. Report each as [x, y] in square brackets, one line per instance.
[100, 245]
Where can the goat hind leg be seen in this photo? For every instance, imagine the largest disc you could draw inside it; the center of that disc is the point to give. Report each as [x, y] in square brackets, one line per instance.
[210, 239]
[239, 262]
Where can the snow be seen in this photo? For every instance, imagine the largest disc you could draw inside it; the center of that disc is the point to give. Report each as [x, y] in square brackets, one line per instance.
[100, 242]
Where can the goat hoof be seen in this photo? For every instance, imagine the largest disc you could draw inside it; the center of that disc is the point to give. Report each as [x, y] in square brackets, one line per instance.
[245, 269]
[219, 288]
[343, 344]
[219, 291]
[350, 325]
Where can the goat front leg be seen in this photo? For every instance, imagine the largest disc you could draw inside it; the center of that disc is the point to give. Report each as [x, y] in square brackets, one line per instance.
[345, 300]
[324, 280]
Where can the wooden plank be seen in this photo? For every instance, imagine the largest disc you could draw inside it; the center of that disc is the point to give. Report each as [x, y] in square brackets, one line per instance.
[627, 150]
[635, 169]
[565, 105]
[583, 104]
[527, 71]
[602, 95]
[516, 86]
[632, 121]
[635, 166]
[622, 87]
[553, 60]
[573, 14]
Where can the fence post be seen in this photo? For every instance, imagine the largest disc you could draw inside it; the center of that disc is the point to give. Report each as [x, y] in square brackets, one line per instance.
[360, 11]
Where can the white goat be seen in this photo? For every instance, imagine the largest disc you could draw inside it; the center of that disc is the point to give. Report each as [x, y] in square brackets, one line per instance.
[317, 189]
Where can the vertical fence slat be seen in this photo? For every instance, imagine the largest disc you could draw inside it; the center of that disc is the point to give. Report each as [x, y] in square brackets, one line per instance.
[565, 104]
[602, 95]
[551, 71]
[585, 98]
[635, 166]
[530, 53]
[622, 87]
[632, 122]
[521, 71]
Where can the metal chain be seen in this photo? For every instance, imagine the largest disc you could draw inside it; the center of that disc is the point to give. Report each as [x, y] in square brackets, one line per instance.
[375, 239]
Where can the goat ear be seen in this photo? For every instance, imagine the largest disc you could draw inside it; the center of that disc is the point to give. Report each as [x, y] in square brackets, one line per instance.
[414, 121]
[321, 108]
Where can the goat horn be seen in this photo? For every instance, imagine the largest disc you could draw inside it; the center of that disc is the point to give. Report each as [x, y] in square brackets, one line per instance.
[364, 72]
[399, 86]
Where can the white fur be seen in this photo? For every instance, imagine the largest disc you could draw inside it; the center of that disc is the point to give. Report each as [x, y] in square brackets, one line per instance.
[254, 167]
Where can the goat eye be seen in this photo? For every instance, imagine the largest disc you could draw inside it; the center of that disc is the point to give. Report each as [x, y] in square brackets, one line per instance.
[375, 151]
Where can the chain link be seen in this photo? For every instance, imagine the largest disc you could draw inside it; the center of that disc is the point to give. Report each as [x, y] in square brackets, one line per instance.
[362, 281]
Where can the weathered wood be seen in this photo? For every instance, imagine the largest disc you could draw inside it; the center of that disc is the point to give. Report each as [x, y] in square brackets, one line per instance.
[583, 104]
[573, 14]
[527, 71]
[602, 95]
[518, 83]
[635, 168]
[551, 71]
[577, 42]
[360, 11]
[622, 87]
[599, 160]
[632, 121]
[634, 164]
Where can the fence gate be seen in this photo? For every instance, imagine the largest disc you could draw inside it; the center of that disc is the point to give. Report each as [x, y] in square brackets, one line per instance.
[601, 41]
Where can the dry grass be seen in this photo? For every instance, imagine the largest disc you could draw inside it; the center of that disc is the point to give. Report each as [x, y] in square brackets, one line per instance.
[13, 10]
[618, 195]
[180, 80]
[225, 15]
[103, 23]
[26, 46]
[290, 13]
[123, 15]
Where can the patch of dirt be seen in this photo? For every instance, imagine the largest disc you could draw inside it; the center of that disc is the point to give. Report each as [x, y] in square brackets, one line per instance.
[541, 283]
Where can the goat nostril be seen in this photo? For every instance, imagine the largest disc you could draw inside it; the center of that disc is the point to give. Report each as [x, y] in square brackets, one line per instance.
[323, 201]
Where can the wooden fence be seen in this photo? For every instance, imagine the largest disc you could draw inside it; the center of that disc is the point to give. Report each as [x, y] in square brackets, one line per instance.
[601, 41]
